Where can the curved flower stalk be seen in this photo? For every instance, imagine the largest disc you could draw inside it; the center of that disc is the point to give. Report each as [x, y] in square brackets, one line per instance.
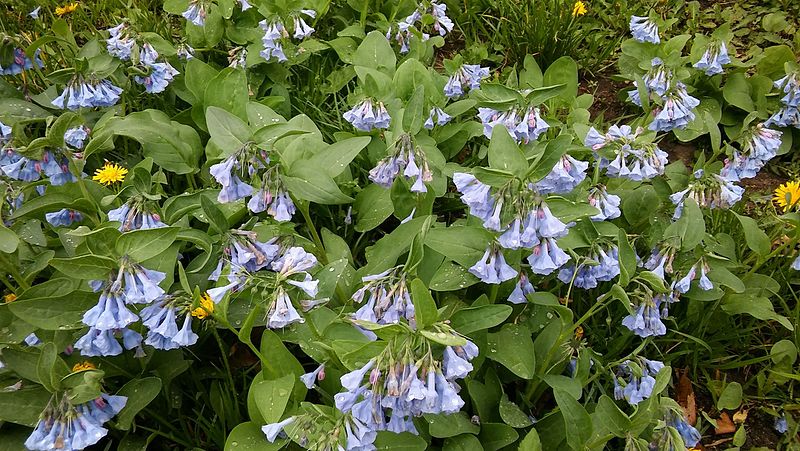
[265, 187]
[523, 124]
[601, 265]
[715, 191]
[634, 380]
[82, 92]
[367, 115]
[441, 25]
[136, 214]
[407, 159]
[74, 427]
[627, 154]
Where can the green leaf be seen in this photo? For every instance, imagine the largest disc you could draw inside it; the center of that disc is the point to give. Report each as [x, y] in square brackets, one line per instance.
[84, 267]
[272, 396]
[50, 368]
[563, 71]
[451, 277]
[414, 114]
[280, 361]
[14, 110]
[23, 406]
[141, 245]
[140, 393]
[443, 426]
[405, 441]
[608, 417]
[690, 228]
[731, 397]
[531, 442]
[228, 91]
[756, 306]
[372, 206]
[464, 245]
[513, 348]
[216, 218]
[8, 240]
[737, 92]
[505, 154]
[310, 182]
[375, 53]
[53, 305]
[495, 436]
[424, 306]
[627, 259]
[756, 239]
[249, 437]
[472, 319]
[512, 415]
[576, 420]
[335, 158]
[446, 339]
[463, 442]
[227, 131]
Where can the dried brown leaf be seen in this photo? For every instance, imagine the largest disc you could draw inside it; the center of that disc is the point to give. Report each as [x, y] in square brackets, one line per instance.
[724, 425]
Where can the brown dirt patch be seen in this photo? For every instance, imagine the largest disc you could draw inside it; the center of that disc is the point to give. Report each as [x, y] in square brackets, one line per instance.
[605, 90]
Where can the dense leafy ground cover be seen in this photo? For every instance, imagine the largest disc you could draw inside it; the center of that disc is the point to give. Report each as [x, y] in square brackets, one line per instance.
[472, 225]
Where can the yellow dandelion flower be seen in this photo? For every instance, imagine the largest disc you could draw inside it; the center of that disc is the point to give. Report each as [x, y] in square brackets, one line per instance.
[206, 307]
[579, 9]
[110, 173]
[787, 195]
[10, 297]
[66, 9]
[83, 366]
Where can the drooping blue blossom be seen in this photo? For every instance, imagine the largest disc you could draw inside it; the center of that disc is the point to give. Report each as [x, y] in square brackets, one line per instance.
[634, 381]
[796, 264]
[521, 290]
[185, 51]
[309, 379]
[386, 298]
[660, 261]
[475, 194]
[63, 218]
[564, 177]
[468, 76]
[274, 31]
[441, 23]
[781, 424]
[244, 250]
[691, 436]
[587, 275]
[135, 215]
[714, 191]
[790, 85]
[621, 153]
[492, 267]
[437, 116]
[5, 136]
[677, 111]
[786, 117]
[301, 29]
[21, 63]
[282, 313]
[645, 321]
[295, 260]
[658, 80]
[160, 73]
[715, 56]
[246, 5]
[195, 13]
[120, 43]
[523, 126]
[606, 203]
[546, 257]
[82, 93]
[759, 145]
[32, 340]
[273, 430]
[233, 188]
[367, 115]
[644, 30]
[75, 136]
[34, 14]
[407, 159]
[97, 342]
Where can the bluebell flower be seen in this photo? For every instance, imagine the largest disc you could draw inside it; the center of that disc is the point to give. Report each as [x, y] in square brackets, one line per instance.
[475, 194]
[247, 252]
[160, 73]
[64, 426]
[110, 312]
[294, 260]
[564, 177]
[80, 93]
[135, 215]
[245, 5]
[759, 145]
[301, 29]
[691, 436]
[530, 127]
[715, 56]
[273, 32]
[790, 85]
[34, 14]
[704, 283]
[492, 267]
[660, 261]
[195, 13]
[75, 136]
[645, 321]
[677, 111]
[442, 24]
[781, 424]
[524, 127]
[96, 343]
[21, 62]
[283, 312]
[120, 43]
[634, 382]
[368, 115]
[63, 217]
[406, 158]
[588, 276]
[644, 30]
[139, 285]
[386, 299]
[32, 340]
[684, 284]
[185, 51]
[796, 264]
[546, 257]
[274, 429]
[233, 188]
[455, 367]
[309, 379]
[607, 204]
[786, 117]
[468, 76]
[546, 225]
[437, 116]
[521, 290]
[5, 136]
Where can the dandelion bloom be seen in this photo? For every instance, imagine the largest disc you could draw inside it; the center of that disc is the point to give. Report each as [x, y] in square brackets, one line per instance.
[110, 173]
[206, 307]
[66, 9]
[579, 9]
[787, 195]
[83, 366]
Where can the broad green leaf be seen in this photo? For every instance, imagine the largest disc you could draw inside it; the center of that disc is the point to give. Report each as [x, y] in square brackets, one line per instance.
[451, 277]
[53, 305]
[249, 437]
[23, 406]
[8, 240]
[50, 367]
[576, 419]
[374, 52]
[278, 361]
[424, 306]
[272, 396]
[310, 182]
[463, 442]
[531, 442]
[731, 397]
[141, 245]
[228, 91]
[690, 228]
[227, 131]
[140, 393]
[757, 306]
[627, 259]
[563, 71]
[84, 267]
[756, 239]
[512, 415]
[405, 441]
[462, 244]
[495, 436]
[443, 426]
[608, 417]
[472, 319]
[513, 348]
[505, 154]
[335, 158]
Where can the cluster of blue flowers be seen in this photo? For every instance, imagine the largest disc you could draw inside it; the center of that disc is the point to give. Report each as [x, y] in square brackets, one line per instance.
[439, 116]
[69, 427]
[677, 106]
[21, 168]
[684, 284]
[644, 30]
[564, 177]
[21, 63]
[407, 159]
[387, 299]
[607, 204]
[196, 13]
[657, 80]
[524, 125]
[602, 266]
[623, 155]
[253, 165]
[789, 114]
[275, 31]
[120, 42]
[135, 214]
[367, 115]
[646, 319]
[160, 319]
[160, 71]
[634, 381]
[81, 92]
[714, 191]
[759, 145]
[715, 56]
[76, 136]
[63, 218]
[405, 28]
[468, 76]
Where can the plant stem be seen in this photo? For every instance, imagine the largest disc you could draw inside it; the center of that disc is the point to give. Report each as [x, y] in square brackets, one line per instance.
[12, 269]
[224, 353]
[321, 255]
